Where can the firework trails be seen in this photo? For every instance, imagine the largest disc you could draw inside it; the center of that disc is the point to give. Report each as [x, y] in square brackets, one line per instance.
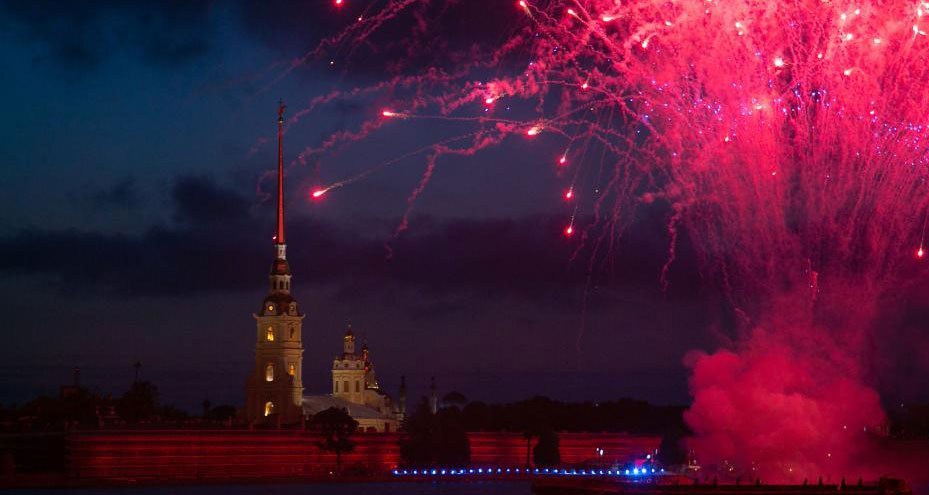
[786, 137]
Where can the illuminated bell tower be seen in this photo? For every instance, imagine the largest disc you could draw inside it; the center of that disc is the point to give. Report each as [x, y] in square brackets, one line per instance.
[275, 388]
[348, 371]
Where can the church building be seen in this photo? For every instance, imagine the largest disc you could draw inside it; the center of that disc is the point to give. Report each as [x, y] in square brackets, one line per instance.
[355, 389]
[274, 389]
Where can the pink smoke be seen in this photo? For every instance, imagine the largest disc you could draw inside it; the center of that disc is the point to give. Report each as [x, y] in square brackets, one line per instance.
[790, 400]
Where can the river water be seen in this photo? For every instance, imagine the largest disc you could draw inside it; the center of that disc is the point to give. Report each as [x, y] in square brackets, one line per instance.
[398, 488]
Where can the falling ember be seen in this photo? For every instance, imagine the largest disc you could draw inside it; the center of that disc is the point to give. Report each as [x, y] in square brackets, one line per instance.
[563, 159]
[489, 100]
[572, 12]
[533, 130]
[569, 194]
[388, 113]
[920, 253]
[607, 18]
[569, 230]
[585, 85]
[778, 62]
[338, 2]
[319, 192]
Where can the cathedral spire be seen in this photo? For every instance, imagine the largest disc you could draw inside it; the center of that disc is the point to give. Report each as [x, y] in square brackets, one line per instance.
[279, 238]
[280, 269]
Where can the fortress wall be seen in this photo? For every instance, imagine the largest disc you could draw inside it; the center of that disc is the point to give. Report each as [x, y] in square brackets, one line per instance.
[230, 454]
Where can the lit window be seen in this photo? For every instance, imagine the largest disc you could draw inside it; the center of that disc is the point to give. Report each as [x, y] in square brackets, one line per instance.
[270, 308]
[292, 370]
[270, 334]
[269, 372]
[269, 408]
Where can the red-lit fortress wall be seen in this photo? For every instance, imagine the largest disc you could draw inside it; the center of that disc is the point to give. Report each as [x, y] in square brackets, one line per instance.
[205, 454]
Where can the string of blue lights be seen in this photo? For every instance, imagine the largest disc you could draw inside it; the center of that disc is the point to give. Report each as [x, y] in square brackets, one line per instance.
[633, 472]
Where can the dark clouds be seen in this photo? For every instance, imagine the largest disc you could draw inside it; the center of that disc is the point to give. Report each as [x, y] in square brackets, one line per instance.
[79, 36]
[175, 292]
[121, 195]
[432, 28]
[221, 241]
[199, 201]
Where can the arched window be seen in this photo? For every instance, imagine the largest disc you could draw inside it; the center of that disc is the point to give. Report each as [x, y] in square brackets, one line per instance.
[357, 386]
[345, 386]
[269, 372]
[270, 335]
[292, 369]
[292, 331]
[269, 408]
[335, 386]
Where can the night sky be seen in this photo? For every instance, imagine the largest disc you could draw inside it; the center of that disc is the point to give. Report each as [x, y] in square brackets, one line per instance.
[135, 224]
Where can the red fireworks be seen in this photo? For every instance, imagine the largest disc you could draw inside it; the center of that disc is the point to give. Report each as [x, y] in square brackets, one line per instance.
[787, 138]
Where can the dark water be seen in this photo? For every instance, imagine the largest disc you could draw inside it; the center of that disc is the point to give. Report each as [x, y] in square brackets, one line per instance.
[424, 488]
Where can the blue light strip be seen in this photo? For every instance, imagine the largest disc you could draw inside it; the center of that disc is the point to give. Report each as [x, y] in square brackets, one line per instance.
[634, 473]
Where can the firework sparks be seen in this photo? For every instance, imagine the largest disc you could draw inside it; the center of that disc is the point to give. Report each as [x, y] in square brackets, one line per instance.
[788, 141]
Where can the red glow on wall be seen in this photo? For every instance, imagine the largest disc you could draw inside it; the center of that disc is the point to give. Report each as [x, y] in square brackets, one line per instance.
[240, 454]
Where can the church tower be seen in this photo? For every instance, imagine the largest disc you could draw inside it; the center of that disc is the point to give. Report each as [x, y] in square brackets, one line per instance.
[348, 371]
[275, 388]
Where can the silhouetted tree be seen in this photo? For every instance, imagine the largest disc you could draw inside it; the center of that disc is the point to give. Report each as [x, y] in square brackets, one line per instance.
[476, 416]
[528, 434]
[533, 416]
[139, 403]
[435, 439]
[624, 415]
[221, 413]
[169, 412]
[77, 408]
[337, 427]
[546, 453]
[671, 451]
[454, 399]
